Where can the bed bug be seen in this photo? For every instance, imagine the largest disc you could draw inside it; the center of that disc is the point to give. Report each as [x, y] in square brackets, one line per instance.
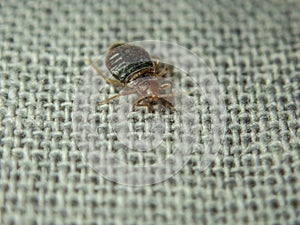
[132, 67]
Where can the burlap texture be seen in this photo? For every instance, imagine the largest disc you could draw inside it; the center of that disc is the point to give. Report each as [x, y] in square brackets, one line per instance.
[252, 47]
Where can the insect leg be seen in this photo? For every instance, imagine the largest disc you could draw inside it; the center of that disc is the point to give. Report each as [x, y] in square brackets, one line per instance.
[110, 81]
[167, 104]
[139, 102]
[164, 71]
[157, 64]
[169, 86]
[116, 96]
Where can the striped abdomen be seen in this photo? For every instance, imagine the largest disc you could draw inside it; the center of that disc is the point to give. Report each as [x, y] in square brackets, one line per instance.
[125, 60]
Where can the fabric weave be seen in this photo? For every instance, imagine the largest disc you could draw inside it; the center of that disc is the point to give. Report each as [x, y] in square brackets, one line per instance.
[253, 49]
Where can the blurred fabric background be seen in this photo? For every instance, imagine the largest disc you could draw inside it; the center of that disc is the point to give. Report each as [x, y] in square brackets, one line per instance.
[253, 47]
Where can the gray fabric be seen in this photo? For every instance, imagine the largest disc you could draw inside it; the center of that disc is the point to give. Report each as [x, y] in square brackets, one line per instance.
[253, 49]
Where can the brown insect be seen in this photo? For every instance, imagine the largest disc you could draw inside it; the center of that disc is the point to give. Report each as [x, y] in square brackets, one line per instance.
[133, 68]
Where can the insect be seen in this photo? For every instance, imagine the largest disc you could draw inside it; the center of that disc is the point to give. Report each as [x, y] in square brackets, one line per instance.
[132, 67]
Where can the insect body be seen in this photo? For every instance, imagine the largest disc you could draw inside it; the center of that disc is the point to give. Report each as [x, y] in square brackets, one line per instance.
[133, 68]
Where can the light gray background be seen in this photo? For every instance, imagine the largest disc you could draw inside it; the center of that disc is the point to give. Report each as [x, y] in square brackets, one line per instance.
[253, 48]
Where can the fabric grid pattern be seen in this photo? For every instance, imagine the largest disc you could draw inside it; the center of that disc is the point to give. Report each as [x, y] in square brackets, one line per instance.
[252, 47]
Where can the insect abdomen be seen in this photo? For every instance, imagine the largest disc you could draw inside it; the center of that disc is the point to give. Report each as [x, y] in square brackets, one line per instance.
[124, 60]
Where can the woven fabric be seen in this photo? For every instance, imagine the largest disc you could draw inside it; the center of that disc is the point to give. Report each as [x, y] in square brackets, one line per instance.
[253, 49]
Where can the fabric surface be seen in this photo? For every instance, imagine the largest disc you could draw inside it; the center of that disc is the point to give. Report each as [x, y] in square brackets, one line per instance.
[253, 49]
